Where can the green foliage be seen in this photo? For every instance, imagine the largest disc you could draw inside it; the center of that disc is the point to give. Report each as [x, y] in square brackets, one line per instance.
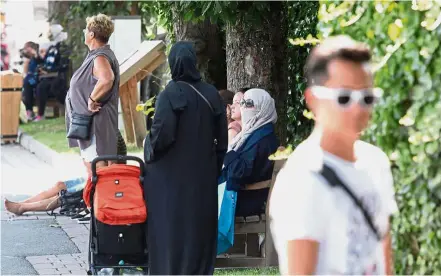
[216, 11]
[148, 107]
[405, 41]
[74, 20]
[302, 20]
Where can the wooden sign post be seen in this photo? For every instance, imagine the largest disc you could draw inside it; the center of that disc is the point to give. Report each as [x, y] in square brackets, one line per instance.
[135, 68]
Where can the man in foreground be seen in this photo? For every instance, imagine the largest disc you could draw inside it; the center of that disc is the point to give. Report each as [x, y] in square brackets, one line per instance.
[332, 201]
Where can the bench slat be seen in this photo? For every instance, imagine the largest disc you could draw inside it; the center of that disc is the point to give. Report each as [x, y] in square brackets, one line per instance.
[239, 262]
[252, 219]
[244, 228]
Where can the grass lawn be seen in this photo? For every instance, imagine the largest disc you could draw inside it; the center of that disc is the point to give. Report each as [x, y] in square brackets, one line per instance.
[248, 271]
[52, 133]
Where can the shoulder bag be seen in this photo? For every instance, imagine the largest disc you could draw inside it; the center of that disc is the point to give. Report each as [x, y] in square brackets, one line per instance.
[80, 125]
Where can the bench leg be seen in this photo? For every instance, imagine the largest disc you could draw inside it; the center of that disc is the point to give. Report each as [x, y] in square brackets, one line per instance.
[252, 246]
[56, 111]
[271, 258]
[239, 244]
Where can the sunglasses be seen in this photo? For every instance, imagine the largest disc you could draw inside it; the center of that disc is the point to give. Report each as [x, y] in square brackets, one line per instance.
[345, 97]
[248, 103]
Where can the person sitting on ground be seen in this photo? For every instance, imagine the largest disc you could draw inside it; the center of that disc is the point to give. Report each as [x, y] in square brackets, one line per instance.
[47, 200]
[247, 168]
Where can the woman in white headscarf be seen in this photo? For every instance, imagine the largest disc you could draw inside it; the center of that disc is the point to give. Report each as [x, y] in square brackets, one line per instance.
[247, 169]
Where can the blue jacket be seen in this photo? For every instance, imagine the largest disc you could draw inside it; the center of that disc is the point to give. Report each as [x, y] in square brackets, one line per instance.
[32, 75]
[250, 163]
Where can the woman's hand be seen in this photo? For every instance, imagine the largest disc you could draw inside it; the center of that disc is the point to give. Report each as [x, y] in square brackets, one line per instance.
[93, 106]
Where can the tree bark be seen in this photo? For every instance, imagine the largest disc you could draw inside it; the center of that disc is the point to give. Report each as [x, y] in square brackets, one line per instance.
[209, 41]
[55, 8]
[256, 57]
[134, 8]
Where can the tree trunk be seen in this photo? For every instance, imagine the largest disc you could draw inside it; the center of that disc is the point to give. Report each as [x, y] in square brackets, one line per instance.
[55, 8]
[134, 8]
[209, 41]
[256, 57]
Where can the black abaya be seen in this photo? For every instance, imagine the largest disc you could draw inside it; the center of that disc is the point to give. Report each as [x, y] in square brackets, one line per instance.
[183, 164]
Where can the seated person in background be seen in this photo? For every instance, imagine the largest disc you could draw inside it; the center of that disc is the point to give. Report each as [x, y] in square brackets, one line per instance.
[247, 168]
[52, 75]
[30, 72]
[227, 98]
[43, 50]
[235, 126]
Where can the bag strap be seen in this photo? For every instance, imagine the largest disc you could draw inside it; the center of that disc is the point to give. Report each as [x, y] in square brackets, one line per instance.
[208, 103]
[333, 180]
[200, 94]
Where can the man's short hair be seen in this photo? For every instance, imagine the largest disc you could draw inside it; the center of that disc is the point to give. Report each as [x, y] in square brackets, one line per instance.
[340, 47]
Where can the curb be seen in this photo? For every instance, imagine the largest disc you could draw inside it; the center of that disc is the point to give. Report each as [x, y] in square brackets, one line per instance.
[46, 154]
[43, 152]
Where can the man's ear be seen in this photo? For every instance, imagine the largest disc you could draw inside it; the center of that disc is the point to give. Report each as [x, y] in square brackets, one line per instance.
[309, 99]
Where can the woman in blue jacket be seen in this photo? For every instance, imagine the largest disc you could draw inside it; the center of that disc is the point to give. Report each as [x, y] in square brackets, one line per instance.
[246, 166]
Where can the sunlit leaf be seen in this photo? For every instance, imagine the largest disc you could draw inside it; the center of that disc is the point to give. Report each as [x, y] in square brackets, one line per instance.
[393, 31]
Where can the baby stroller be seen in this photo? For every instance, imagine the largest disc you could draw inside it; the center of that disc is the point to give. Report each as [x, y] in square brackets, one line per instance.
[117, 240]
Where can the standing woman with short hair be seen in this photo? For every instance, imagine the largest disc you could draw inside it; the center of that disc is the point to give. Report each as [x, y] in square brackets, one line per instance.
[94, 92]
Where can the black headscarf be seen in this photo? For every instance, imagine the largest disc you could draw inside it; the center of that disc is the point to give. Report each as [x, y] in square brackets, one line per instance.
[182, 60]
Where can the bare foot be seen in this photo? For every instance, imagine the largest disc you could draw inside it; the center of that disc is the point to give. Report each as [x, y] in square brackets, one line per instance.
[13, 207]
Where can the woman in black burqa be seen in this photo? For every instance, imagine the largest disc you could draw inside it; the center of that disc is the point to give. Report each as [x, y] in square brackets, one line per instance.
[184, 151]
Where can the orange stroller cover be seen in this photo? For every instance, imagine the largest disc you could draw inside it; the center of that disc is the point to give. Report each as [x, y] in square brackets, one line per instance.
[118, 197]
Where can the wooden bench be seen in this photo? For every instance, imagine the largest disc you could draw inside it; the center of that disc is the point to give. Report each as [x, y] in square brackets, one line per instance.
[58, 108]
[247, 252]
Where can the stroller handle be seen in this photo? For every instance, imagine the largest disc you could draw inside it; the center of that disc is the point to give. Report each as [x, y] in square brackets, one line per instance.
[117, 158]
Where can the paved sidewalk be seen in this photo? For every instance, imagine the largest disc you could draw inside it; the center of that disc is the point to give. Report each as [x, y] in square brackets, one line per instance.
[68, 264]
[77, 232]
[55, 246]
[24, 175]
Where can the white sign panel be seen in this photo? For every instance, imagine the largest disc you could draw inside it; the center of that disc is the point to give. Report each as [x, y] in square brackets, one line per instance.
[125, 39]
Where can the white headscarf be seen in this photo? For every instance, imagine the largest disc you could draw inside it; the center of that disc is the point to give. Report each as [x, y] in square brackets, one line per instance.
[263, 112]
[57, 33]
[45, 45]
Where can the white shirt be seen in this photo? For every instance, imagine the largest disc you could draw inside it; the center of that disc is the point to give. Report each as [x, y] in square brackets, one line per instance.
[304, 206]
